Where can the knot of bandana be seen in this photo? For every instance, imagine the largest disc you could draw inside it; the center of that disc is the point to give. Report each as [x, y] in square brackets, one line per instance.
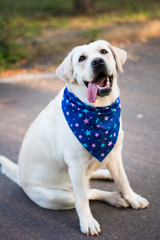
[96, 128]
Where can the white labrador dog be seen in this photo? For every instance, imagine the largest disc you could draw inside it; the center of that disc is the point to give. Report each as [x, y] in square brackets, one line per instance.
[54, 168]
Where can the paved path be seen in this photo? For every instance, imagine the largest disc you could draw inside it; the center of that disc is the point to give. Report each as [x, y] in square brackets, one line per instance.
[20, 102]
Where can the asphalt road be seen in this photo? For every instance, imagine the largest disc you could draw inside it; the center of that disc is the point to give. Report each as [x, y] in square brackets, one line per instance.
[21, 219]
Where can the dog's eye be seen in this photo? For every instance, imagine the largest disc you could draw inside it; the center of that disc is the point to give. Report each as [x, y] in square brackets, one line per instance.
[82, 58]
[103, 51]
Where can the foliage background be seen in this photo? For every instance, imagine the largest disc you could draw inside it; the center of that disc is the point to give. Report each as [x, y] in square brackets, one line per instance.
[21, 21]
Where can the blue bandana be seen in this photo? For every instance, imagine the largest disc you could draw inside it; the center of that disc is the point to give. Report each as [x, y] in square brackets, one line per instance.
[96, 128]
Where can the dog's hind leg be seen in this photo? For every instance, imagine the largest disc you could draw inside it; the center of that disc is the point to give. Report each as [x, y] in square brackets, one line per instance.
[9, 169]
[101, 174]
[50, 198]
[113, 198]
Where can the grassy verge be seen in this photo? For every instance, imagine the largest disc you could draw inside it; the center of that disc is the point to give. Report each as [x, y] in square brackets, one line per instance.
[21, 20]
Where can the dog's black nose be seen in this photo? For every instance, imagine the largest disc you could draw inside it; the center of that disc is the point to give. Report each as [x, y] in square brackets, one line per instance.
[97, 62]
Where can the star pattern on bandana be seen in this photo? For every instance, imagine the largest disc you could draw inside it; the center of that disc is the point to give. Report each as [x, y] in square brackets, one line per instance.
[95, 127]
[86, 120]
[88, 133]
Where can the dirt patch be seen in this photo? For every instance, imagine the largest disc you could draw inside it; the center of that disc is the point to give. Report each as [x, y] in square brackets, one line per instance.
[37, 69]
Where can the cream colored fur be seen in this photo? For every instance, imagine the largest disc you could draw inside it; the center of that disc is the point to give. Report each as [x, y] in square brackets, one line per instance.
[53, 167]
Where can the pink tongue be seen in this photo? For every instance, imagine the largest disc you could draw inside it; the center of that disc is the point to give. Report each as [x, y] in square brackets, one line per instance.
[92, 92]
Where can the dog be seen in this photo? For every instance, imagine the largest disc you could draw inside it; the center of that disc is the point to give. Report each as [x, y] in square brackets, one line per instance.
[54, 166]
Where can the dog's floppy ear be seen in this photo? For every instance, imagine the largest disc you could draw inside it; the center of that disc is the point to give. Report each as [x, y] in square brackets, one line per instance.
[120, 57]
[65, 70]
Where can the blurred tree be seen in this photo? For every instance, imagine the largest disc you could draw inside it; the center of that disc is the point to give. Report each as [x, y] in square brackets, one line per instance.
[83, 6]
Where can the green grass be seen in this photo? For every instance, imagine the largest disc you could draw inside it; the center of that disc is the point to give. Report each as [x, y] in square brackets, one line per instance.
[31, 18]
[35, 17]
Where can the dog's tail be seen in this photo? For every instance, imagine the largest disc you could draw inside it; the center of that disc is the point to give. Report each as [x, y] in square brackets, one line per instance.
[10, 169]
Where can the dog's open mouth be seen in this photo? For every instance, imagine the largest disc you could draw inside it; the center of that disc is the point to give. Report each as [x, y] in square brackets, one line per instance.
[101, 86]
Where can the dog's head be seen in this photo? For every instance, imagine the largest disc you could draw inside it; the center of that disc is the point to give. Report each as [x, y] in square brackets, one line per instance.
[93, 66]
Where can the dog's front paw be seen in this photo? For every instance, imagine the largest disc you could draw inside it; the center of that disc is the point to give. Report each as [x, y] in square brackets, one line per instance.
[117, 200]
[90, 226]
[136, 201]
